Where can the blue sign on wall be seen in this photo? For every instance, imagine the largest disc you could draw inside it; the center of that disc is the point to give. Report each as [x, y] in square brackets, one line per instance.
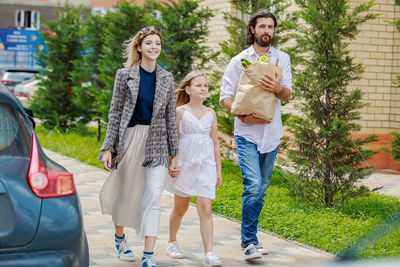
[19, 40]
[18, 47]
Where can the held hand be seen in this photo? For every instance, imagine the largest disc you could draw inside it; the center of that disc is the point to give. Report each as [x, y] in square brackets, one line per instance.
[107, 160]
[251, 119]
[173, 174]
[173, 167]
[271, 84]
[219, 181]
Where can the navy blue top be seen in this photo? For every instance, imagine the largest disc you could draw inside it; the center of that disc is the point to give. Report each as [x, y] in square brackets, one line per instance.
[144, 103]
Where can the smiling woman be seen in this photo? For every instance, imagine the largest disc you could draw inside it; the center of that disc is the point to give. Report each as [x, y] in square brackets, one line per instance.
[141, 140]
[133, 45]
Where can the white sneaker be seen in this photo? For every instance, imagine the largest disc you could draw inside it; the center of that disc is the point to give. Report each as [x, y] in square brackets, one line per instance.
[123, 251]
[174, 251]
[149, 261]
[251, 252]
[261, 249]
[211, 260]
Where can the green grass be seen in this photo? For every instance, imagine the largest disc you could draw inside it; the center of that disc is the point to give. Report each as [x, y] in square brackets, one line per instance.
[332, 230]
[81, 146]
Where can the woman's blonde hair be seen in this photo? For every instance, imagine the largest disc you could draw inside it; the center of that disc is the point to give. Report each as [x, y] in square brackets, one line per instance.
[131, 52]
[182, 96]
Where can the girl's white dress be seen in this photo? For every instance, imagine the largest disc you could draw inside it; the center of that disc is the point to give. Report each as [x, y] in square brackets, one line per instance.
[196, 161]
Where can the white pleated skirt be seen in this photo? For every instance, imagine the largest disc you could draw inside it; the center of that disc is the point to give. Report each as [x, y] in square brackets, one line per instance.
[122, 193]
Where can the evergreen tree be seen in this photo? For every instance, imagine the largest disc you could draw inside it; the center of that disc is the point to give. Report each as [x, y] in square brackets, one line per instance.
[184, 27]
[395, 146]
[86, 69]
[54, 100]
[327, 160]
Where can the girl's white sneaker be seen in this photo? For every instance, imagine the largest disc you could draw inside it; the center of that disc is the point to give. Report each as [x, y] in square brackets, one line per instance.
[174, 251]
[211, 260]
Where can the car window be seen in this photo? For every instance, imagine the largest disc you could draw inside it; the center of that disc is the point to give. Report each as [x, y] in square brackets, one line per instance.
[18, 76]
[15, 137]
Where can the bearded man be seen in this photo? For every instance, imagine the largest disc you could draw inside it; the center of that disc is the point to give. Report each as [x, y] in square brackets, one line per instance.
[257, 140]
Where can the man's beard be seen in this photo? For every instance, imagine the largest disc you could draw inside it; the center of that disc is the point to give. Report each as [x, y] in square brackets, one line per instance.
[263, 43]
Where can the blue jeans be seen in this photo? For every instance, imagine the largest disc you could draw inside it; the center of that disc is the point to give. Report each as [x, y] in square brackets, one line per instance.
[256, 170]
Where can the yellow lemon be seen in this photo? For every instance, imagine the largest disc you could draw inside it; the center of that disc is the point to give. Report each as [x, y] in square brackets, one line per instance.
[264, 59]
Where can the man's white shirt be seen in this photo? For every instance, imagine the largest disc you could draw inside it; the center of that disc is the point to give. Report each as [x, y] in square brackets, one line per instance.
[266, 136]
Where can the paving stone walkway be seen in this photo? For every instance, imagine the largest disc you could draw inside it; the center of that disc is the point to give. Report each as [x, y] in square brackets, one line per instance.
[100, 231]
[388, 180]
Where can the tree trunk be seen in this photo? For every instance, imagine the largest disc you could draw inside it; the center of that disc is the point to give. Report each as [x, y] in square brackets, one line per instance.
[98, 130]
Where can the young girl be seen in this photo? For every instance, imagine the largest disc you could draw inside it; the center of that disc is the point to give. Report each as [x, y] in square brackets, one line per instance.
[141, 140]
[198, 171]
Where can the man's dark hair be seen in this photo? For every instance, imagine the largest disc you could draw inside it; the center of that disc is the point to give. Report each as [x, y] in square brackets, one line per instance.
[263, 13]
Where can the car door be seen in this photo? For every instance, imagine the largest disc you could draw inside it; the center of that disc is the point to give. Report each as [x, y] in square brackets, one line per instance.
[19, 207]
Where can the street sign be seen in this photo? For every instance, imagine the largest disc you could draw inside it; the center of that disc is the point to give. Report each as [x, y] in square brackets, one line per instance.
[19, 40]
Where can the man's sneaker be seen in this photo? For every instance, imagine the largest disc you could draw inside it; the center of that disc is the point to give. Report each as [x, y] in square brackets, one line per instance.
[148, 261]
[261, 249]
[174, 251]
[123, 251]
[251, 252]
[211, 260]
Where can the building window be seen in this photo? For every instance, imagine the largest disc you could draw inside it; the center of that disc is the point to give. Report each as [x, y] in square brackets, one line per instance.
[27, 19]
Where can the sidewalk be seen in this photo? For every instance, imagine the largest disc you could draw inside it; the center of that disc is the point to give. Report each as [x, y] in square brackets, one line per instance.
[100, 231]
[388, 180]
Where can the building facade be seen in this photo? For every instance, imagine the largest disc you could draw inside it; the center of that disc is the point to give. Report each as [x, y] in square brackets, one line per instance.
[26, 14]
[377, 47]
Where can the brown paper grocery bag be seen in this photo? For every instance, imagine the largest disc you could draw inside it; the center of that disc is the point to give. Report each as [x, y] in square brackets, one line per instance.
[250, 98]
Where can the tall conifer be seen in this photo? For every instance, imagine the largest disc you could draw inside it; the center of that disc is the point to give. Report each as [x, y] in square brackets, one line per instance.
[328, 161]
[54, 100]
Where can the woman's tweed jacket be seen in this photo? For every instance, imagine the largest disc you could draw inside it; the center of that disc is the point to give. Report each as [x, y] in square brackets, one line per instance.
[162, 140]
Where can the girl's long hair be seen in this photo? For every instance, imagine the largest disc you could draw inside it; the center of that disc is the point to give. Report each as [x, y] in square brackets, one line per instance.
[182, 97]
[131, 45]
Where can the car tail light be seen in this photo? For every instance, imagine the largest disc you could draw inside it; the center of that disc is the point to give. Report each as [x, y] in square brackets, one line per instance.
[21, 94]
[7, 81]
[47, 183]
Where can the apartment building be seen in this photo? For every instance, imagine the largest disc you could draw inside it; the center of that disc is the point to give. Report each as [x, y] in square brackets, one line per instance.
[25, 14]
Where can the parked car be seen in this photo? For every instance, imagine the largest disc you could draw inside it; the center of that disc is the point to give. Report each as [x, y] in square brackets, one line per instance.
[25, 90]
[40, 214]
[12, 77]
